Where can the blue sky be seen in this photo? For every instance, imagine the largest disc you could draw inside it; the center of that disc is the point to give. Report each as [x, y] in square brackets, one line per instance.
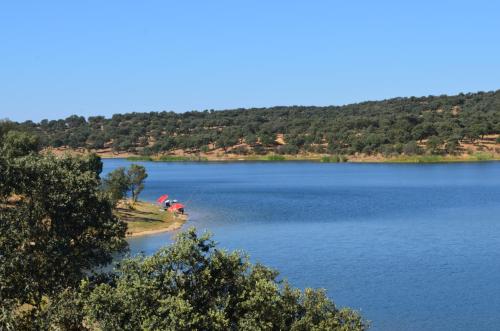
[59, 58]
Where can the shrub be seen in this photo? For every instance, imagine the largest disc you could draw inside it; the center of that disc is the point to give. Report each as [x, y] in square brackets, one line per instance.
[411, 148]
[191, 285]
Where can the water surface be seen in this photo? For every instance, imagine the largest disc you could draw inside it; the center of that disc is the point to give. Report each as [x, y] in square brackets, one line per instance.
[413, 247]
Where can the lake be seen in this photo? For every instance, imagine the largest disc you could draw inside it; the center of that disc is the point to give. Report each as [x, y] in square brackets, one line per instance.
[413, 247]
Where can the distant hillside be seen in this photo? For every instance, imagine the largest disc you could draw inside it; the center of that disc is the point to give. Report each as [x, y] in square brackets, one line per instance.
[431, 125]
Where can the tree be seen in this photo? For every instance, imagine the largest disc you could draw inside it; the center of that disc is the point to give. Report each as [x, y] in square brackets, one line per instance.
[411, 148]
[5, 126]
[452, 146]
[97, 141]
[368, 127]
[191, 285]
[17, 143]
[226, 139]
[136, 174]
[266, 139]
[117, 184]
[13, 144]
[287, 149]
[120, 181]
[433, 144]
[60, 230]
[476, 131]
[251, 139]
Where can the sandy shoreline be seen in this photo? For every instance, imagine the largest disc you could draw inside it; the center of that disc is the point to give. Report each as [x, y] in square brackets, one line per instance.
[169, 228]
[180, 220]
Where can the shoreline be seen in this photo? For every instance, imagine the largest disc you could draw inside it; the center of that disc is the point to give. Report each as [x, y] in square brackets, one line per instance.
[171, 228]
[419, 159]
[477, 156]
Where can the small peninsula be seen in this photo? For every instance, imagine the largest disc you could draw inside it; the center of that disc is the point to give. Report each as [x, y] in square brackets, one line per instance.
[145, 218]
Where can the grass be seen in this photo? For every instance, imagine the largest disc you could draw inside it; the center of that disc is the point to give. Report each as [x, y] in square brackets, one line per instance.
[144, 217]
[479, 156]
[275, 158]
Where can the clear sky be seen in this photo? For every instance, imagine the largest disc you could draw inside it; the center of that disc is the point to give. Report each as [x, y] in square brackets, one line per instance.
[59, 58]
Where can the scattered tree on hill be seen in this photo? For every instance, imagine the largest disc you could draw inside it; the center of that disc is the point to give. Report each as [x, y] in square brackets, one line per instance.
[411, 148]
[367, 127]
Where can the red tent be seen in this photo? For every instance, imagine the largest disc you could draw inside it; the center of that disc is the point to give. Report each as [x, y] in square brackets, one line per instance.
[162, 198]
[176, 206]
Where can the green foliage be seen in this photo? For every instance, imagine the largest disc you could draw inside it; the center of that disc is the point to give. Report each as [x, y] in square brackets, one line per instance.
[6, 126]
[227, 139]
[483, 156]
[191, 285]
[434, 145]
[239, 150]
[117, 184]
[17, 143]
[136, 175]
[287, 149]
[266, 139]
[411, 148]
[479, 156]
[452, 146]
[61, 228]
[367, 127]
[334, 159]
[121, 181]
[275, 158]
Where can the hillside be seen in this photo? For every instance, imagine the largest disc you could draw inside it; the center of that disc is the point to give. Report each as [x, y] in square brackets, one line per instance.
[451, 125]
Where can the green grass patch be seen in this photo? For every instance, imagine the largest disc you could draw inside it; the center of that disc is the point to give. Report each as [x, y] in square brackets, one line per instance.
[481, 156]
[275, 158]
[441, 158]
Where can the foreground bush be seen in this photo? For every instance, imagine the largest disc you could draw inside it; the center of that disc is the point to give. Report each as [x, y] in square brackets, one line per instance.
[191, 285]
[56, 226]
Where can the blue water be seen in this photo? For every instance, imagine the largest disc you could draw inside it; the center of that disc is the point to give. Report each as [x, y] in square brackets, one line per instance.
[413, 247]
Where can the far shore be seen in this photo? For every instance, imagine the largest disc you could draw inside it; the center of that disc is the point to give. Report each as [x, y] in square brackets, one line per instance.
[490, 151]
[146, 218]
[476, 157]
